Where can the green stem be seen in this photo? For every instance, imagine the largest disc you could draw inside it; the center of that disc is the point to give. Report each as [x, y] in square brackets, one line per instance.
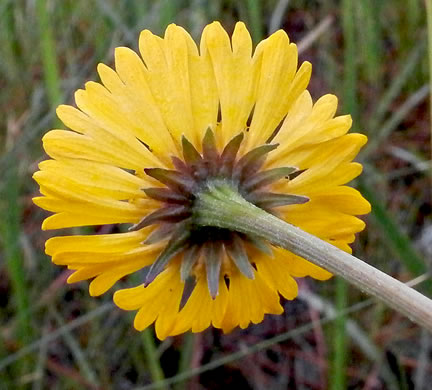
[393, 237]
[222, 206]
[152, 358]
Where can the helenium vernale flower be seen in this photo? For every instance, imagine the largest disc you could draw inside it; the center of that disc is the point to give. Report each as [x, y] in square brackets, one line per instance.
[162, 128]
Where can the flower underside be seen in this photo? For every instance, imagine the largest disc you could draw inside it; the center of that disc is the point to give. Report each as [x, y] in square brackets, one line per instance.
[206, 247]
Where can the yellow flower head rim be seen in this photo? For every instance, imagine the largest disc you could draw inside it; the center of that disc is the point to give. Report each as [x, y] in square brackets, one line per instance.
[156, 131]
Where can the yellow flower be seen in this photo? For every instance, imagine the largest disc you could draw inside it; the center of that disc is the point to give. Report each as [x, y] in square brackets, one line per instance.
[161, 127]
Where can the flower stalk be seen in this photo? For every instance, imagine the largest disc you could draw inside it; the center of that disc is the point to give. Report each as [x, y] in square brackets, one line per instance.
[222, 206]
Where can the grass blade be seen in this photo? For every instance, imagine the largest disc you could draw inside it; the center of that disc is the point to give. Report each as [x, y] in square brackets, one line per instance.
[408, 67]
[48, 54]
[78, 354]
[260, 346]
[10, 233]
[186, 357]
[340, 353]
[255, 19]
[152, 357]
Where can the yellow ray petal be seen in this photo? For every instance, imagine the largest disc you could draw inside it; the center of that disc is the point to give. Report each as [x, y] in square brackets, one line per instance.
[139, 101]
[119, 113]
[341, 244]
[279, 86]
[84, 273]
[120, 143]
[147, 253]
[65, 195]
[101, 243]
[135, 120]
[201, 310]
[314, 181]
[248, 301]
[116, 210]
[321, 221]
[236, 75]
[204, 94]
[159, 301]
[327, 155]
[333, 128]
[64, 220]
[277, 275]
[60, 144]
[170, 307]
[167, 61]
[136, 297]
[301, 132]
[114, 272]
[293, 132]
[178, 47]
[300, 267]
[82, 208]
[99, 179]
[344, 199]
[106, 274]
[111, 80]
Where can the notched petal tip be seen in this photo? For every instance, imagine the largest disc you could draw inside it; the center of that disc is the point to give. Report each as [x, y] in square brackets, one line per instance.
[215, 25]
[171, 27]
[215, 37]
[146, 34]
[241, 40]
[279, 34]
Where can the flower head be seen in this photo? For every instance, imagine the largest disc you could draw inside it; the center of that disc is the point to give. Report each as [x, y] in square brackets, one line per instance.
[163, 128]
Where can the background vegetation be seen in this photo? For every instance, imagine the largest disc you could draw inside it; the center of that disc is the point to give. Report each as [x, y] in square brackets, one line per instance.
[372, 54]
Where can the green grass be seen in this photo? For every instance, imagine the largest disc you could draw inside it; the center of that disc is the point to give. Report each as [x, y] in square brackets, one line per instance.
[151, 356]
[10, 232]
[48, 54]
[375, 57]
